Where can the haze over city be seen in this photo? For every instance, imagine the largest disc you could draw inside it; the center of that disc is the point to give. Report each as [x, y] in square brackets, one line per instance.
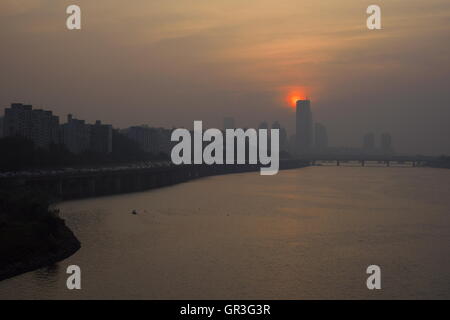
[225, 158]
[167, 63]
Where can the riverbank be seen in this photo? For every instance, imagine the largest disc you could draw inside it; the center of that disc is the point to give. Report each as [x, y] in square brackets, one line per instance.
[87, 183]
[32, 235]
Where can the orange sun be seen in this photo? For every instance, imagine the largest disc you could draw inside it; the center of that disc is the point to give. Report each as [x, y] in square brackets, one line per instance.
[294, 95]
[293, 100]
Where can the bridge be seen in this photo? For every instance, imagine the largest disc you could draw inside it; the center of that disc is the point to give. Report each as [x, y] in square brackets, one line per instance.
[364, 159]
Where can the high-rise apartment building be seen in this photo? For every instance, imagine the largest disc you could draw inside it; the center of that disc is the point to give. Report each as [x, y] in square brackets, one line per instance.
[100, 137]
[40, 126]
[151, 140]
[76, 135]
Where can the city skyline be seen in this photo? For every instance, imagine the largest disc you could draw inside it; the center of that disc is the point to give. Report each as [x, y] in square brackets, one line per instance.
[44, 128]
[142, 62]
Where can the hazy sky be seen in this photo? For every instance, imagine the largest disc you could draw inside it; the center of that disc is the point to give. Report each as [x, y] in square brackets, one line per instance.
[169, 62]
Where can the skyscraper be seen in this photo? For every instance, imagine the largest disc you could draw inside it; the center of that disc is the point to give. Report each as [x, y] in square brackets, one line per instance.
[321, 137]
[304, 123]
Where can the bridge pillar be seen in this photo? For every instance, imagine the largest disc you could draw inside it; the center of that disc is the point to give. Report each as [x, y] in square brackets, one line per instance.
[413, 163]
[338, 163]
[388, 164]
[363, 163]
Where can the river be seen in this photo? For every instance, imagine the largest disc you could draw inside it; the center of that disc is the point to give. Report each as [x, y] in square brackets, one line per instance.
[302, 234]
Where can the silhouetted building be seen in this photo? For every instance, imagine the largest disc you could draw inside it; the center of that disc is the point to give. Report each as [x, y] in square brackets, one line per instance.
[17, 120]
[321, 137]
[304, 123]
[228, 123]
[386, 143]
[151, 140]
[40, 126]
[164, 144]
[282, 135]
[1, 127]
[369, 142]
[141, 135]
[45, 128]
[263, 125]
[100, 137]
[76, 135]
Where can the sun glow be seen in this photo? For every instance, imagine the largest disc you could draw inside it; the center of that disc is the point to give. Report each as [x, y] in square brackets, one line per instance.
[296, 94]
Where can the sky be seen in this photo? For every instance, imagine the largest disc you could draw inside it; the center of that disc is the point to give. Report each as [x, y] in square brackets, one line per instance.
[170, 62]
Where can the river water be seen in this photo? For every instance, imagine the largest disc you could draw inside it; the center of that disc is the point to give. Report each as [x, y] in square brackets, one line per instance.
[302, 234]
